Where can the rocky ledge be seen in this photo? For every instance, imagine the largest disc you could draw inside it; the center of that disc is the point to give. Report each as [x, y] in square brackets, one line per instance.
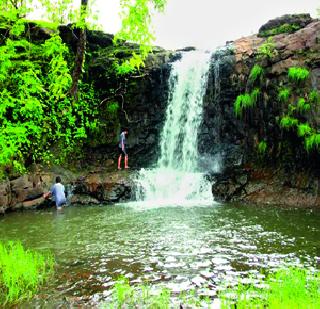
[265, 186]
[97, 186]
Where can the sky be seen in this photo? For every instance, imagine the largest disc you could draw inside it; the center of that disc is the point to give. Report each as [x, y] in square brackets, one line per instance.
[207, 23]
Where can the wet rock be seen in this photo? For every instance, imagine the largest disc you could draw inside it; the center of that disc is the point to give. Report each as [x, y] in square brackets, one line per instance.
[229, 185]
[83, 200]
[106, 187]
[5, 196]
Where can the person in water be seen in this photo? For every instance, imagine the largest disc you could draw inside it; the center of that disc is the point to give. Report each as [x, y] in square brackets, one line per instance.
[58, 193]
[122, 150]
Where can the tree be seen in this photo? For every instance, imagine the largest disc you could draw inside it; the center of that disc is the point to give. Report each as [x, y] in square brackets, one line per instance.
[81, 50]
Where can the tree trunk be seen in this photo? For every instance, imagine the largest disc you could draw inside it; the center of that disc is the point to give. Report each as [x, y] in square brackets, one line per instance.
[81, 49]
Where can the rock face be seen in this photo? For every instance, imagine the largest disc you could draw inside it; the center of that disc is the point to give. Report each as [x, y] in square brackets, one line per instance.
[93, 187]
[286, 173]
[141, 97]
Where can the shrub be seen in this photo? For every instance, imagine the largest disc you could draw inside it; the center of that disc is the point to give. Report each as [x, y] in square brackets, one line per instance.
[22, 271]
[112, 107]
[288, 122]
[255, 73]
[298, 75]
[284, 95]
[285, 28]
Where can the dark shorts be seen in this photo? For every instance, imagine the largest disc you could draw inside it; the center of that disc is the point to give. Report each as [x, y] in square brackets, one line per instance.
[121, 152]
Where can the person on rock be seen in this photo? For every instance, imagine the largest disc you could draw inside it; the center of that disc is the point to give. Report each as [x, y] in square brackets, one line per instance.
[58, 193]
[122, 150]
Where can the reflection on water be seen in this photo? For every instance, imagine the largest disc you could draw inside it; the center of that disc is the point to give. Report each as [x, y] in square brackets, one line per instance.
[179, 247]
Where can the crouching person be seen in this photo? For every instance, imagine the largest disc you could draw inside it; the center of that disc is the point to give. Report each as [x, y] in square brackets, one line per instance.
[58, 193]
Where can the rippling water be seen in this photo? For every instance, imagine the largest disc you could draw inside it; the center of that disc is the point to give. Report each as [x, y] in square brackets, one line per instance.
[177, 247]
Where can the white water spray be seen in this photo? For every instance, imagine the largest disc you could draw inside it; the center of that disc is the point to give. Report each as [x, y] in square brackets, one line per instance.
[177, 179]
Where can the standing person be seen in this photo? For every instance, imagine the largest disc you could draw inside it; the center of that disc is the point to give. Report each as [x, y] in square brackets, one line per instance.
[58, 193]
[122, 150]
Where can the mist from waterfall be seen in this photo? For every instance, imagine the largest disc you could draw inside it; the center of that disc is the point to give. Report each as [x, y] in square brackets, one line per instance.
[176, 178]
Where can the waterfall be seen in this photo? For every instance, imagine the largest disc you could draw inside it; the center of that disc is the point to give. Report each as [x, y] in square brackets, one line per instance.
[176, 178]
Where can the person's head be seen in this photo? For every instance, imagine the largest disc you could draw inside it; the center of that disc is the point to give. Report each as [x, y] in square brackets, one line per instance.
[58, 179]
[125, 131]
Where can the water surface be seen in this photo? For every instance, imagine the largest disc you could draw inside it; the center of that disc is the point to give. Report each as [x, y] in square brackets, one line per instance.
[178, 247]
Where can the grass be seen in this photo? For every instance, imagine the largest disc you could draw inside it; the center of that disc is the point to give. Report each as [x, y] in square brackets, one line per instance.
[244, 101]
[22, 272]
[284, 95]
[285, 288]
[297, 74]
[126, 296]
[255, 73]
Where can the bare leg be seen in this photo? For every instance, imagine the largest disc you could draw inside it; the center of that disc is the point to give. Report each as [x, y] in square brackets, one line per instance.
[119, 162]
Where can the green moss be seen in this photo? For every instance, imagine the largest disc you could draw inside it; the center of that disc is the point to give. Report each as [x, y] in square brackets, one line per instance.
[297, 75]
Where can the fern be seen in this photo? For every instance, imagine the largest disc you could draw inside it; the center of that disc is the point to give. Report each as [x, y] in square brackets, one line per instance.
[255, 73]
[246, 100]
[288, 122]
[314, 96]
[312, 142]
[302, 106]
[298, 75]
[254, 96]
[304, 129]
[284, 95]
[267, 49]
[262, 147]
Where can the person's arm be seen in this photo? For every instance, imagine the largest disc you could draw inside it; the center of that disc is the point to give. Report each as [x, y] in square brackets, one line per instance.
[47, 194]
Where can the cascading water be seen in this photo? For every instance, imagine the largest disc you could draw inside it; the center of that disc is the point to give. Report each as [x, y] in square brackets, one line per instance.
[177, 179]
